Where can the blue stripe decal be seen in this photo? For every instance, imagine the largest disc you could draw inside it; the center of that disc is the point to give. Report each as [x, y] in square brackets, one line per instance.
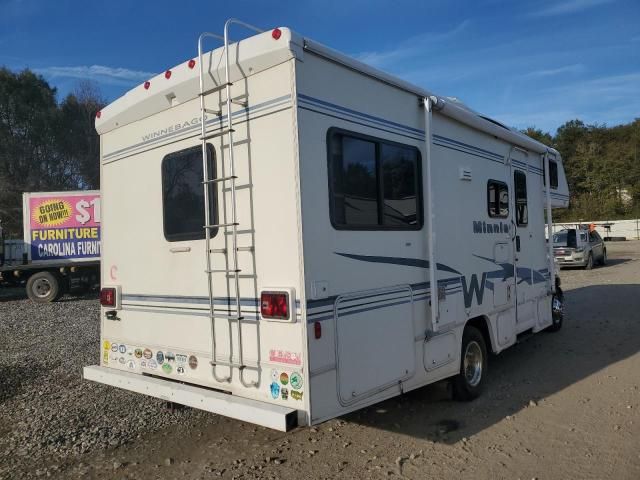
[410, 262]
[468, 153]
[340, 108]
[247, 301]
[201, 313]
[486, 152]
[360, 123]
[371, 122]
[416, 296]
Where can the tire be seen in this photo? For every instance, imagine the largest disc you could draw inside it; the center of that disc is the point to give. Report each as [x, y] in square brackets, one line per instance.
[469, 383]
[44, 287]
[589, 264]
[557, 311]
[603, 260]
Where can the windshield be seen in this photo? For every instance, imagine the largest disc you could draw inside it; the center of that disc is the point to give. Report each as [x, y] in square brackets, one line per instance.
[568, 238]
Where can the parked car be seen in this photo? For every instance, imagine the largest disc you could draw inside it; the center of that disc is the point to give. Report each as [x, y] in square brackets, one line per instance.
[579, 247]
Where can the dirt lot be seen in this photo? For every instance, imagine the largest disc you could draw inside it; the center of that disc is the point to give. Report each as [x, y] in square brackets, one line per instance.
[558, 406]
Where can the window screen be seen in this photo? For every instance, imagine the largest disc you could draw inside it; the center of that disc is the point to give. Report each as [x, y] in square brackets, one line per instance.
[373, 184]
[520, 186]
[183, 194]
[498, 199]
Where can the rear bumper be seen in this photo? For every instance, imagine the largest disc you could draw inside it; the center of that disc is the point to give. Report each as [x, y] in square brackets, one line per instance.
[571, 263]
[253, 411]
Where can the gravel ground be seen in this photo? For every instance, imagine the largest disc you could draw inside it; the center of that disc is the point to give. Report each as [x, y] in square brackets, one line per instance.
[49, 413]
[563, 405]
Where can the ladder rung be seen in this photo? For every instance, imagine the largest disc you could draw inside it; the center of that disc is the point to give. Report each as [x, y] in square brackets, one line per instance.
[238, 187]
[217, 113]
[216, 88]
[223, 270]
[225, 363]
[242, 103]
[221, 179]
[227, 317]
[239, 249]
[217, 134]
[217, 225]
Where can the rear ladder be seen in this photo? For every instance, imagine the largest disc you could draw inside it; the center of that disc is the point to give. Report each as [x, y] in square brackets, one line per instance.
[234, 271]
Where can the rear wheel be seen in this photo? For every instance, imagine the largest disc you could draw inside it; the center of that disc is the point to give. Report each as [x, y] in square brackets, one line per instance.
[557, 311]
[469, 383]
[603, 259]
[44, 287]
[589, 264]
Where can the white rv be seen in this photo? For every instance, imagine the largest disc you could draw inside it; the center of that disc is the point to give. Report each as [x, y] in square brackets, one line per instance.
[290, 235]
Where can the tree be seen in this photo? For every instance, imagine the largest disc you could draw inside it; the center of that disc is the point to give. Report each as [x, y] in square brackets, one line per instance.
[44, 145]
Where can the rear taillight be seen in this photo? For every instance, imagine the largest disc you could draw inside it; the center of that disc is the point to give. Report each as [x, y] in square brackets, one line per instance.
[274, 305]
[108, 297]
[317, 330]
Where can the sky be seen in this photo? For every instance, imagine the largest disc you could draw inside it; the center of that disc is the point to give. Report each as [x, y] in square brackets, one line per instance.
[525, 63]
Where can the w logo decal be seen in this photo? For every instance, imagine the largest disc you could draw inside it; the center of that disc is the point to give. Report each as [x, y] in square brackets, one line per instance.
[473, 287]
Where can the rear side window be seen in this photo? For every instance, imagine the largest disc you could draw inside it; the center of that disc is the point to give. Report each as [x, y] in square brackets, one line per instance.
[183, 194]
[553, 174]
[522, 209]
[374, 184]
[498, 199]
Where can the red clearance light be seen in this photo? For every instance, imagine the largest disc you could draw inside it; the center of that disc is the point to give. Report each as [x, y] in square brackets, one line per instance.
[167, 74]
[276, 33]
[108, 297]
[274, 305]
[192, 63]
[147, 84]
[317, 330]
[98, 114]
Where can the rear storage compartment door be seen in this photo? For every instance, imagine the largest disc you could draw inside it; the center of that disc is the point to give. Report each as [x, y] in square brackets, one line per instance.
[374, 342]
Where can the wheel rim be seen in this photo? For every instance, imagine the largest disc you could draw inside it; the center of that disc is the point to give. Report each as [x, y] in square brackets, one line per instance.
[473, 363]
[41, 287]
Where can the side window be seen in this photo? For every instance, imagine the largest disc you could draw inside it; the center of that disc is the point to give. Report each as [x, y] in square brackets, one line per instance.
[373, 184]
[522, 210]
[497, 199]
[183, 194]
[553, 174]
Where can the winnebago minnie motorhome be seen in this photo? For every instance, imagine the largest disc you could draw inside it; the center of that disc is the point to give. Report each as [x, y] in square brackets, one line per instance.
[290, 235]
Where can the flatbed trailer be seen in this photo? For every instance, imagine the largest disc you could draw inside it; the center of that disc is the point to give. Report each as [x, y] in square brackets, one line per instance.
[48, 282]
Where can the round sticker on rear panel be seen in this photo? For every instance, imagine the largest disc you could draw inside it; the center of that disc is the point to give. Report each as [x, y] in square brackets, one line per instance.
[296, 381]
[275, 390]
[193, 362]
[160, 357]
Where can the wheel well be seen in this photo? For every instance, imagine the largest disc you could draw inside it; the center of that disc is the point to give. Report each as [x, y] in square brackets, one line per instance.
[482, 324]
